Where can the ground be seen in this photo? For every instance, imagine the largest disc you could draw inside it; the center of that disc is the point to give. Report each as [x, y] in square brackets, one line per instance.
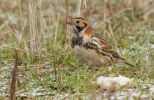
[47, 68]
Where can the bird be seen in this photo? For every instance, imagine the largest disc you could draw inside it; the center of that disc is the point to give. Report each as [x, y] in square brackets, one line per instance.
[90, 47]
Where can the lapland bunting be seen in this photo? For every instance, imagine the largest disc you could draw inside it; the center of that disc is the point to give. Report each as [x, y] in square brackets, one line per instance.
[90, 47]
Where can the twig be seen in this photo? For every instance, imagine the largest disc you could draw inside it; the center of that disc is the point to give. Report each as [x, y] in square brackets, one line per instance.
[14, 76]
[56, 31]
[64, 23]
[79, 8]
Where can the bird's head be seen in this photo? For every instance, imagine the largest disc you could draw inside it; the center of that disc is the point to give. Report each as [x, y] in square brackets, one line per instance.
[80, 25]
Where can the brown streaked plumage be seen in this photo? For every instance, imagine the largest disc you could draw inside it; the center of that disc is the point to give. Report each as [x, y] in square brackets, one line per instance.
[90, 47]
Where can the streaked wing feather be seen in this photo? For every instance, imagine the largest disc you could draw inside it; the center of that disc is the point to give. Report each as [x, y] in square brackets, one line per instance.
[104, 47]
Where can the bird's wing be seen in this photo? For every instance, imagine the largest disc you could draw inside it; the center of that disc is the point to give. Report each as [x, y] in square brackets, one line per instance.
[103, 46]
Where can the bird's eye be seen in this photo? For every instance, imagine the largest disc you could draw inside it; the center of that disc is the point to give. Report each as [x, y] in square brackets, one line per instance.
[77, 22]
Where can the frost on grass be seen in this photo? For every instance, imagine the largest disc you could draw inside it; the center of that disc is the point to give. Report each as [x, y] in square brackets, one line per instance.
[111, 85]
[112, 82]
[39, 91]
[152, 89]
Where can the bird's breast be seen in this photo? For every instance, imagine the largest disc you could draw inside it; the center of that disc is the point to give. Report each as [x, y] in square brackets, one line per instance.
[90, 56]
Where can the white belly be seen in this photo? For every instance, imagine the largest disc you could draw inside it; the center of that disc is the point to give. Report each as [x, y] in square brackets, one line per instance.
[90, 57]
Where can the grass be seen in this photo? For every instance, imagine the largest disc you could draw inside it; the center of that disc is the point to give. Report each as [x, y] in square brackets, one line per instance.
[37, 30]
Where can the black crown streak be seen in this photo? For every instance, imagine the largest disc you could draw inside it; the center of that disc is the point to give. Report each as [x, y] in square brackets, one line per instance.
[80, 18]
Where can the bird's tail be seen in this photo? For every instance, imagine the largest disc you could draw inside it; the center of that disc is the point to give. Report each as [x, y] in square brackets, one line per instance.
[127, 62]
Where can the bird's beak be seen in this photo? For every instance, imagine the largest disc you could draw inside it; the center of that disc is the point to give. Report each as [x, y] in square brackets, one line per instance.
[69, 22]
[68, 18]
